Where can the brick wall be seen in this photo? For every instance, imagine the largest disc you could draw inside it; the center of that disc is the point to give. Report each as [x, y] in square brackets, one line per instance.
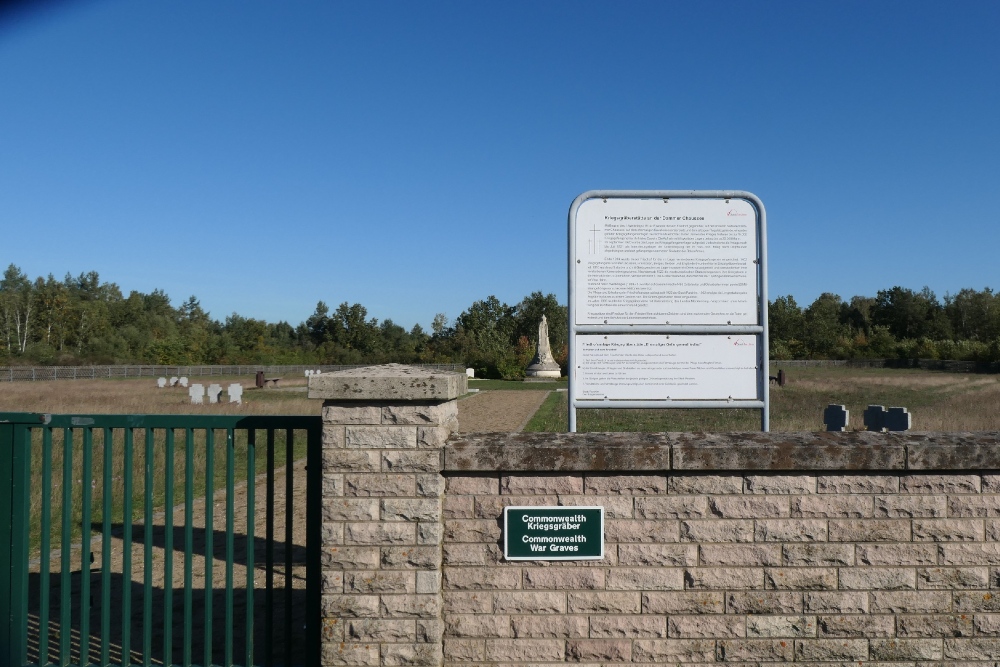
[731, 568]
[813, 548]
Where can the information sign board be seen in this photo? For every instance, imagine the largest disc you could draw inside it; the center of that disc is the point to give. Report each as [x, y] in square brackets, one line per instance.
[668, 301]
[666, 367]
[666, 261]
[553, 533]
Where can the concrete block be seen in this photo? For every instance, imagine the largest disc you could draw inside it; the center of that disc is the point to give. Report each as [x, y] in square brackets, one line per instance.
[393, 382]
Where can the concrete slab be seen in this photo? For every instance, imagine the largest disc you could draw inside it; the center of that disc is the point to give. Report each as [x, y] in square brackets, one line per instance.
[388, 383]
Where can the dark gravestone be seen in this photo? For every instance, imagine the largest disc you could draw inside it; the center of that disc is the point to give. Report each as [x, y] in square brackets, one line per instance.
[781, 378]
[836, 417]
[874, 417]
[897, 419]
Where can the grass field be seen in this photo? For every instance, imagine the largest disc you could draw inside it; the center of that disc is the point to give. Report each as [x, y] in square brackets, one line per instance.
[937, 401]
[142, 396]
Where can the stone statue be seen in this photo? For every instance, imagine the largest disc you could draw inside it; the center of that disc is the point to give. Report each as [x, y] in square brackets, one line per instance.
[544, 364]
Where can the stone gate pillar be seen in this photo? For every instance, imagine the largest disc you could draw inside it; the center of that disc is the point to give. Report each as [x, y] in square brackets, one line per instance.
[383, 430]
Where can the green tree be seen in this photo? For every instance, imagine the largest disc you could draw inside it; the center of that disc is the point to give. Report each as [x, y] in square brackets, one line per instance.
[823, 332]
[16, 309]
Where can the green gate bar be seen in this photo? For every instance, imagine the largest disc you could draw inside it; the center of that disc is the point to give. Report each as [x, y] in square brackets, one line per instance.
[63, 447]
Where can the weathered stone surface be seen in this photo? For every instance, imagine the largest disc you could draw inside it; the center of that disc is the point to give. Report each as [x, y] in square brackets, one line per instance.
[883, 625]
[814, 451]
[732, 530]
[910, 602]
[478, 625]
[761, 602]
[564, 578]
[817, 554]
[939, 625]
[351, 413]
[906, 649]
[716, 578]
[557, 452]
[381, 437]
[789, 451]
[897, 554]
[740, 555]
[540, 485]
[952, 577]
[835, 506]
[420, 413]
[954, 451]
[645, 579]
[671, 507]
[878, 578]
[688, 602]
[800, 578]
[562, 627]
[780, 484]
[781, 626]
[704, 626]
[673, 650]
[754, 650]
[831, 649]
[831, 602]
[670, 555]
[389, 382]
[632, 627]
[598, 650]
[604, 603]
[411, 655]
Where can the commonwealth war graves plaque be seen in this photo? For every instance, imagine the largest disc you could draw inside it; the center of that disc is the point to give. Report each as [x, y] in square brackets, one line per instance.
[553, 533]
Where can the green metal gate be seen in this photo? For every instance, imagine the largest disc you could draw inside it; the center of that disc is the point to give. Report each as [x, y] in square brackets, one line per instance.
[159, 540]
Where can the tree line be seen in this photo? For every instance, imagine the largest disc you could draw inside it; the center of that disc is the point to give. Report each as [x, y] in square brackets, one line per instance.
[896, 323]
[81, 320]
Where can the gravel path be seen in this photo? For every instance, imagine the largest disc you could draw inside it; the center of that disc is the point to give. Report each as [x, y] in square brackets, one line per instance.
[498, 410]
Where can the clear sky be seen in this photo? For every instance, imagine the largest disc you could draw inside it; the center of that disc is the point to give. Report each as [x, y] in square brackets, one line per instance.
[417, 156]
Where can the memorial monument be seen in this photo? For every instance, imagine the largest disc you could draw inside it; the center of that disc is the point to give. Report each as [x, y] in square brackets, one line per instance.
[543, 365]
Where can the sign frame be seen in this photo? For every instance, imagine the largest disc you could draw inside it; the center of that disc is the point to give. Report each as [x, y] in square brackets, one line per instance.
[678, 331]
[543, 510]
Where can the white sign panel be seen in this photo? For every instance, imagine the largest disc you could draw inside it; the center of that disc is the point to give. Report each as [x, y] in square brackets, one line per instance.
[679, 261]
[660, 367]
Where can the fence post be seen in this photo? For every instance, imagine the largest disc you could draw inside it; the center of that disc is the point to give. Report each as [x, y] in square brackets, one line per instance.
[14, 460]
[383, 432]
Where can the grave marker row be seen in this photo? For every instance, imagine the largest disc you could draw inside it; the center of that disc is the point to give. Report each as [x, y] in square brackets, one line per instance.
[876, 417]
[173, 382]
[197, 392]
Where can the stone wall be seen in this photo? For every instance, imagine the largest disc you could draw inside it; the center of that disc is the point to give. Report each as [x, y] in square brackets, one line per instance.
[815, 548]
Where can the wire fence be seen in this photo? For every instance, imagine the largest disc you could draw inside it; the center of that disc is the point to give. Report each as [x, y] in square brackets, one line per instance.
[47, 373]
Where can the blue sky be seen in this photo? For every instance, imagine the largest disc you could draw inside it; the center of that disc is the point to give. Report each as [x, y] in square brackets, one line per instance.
[416, 157]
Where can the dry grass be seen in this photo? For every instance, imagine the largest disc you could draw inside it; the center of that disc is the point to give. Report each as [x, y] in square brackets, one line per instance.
[142, 396]
[936, 400]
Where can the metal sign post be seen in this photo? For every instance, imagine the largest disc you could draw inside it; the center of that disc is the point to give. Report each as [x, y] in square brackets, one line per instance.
[668, 301]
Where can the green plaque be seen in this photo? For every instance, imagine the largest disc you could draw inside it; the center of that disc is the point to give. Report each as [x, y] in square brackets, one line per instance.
[553, 533]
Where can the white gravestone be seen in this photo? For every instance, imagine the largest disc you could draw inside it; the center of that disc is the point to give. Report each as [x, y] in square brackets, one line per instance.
[236, 394]
[182, 381]
[197, 394]
[161, 382]
[470, 372]
[173, 381]
[214, 391]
